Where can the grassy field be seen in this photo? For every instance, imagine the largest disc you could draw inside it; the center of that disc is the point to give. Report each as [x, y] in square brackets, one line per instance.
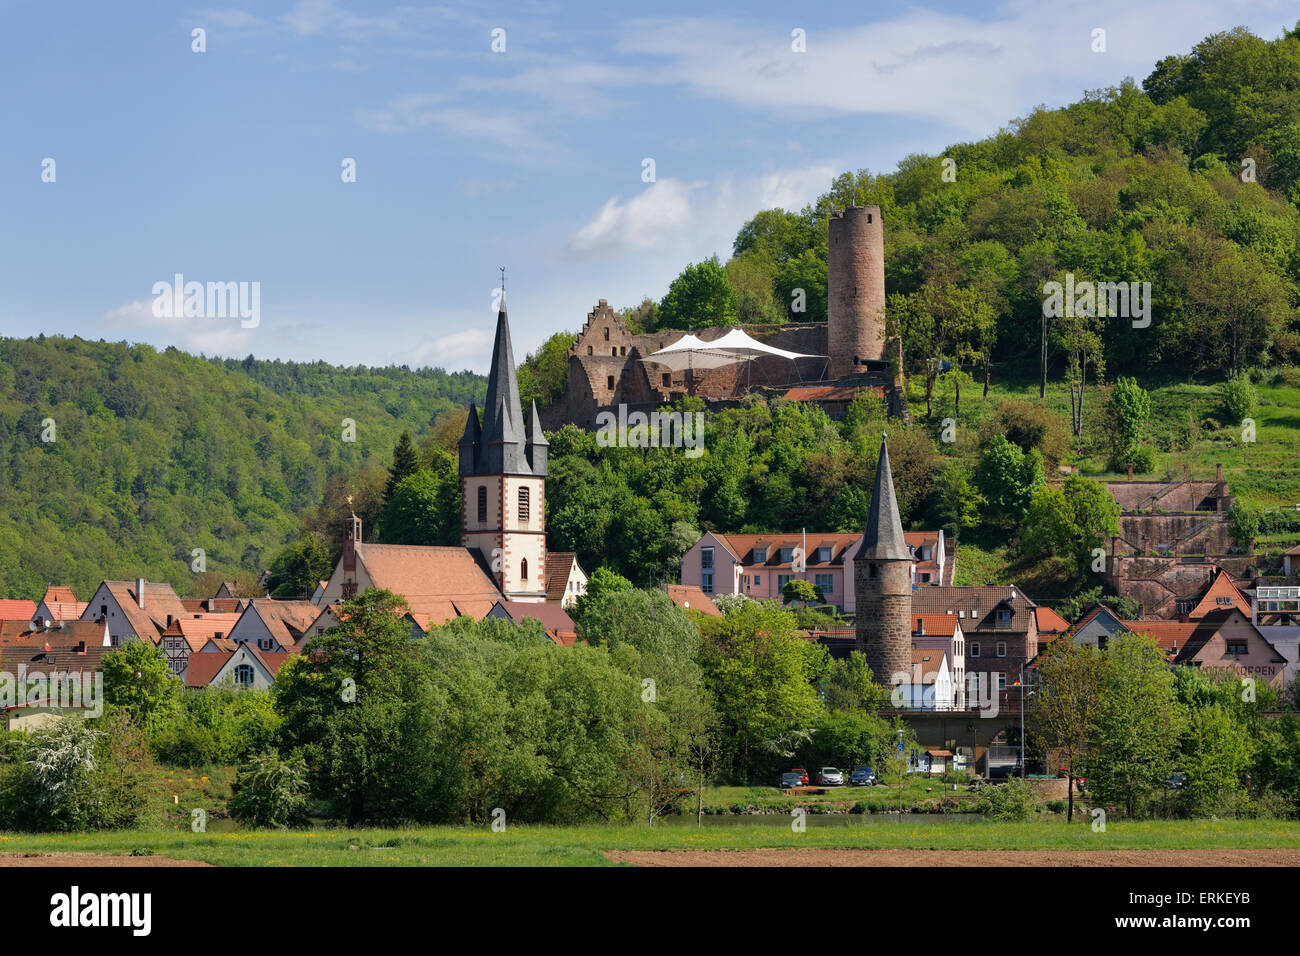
[583, 845]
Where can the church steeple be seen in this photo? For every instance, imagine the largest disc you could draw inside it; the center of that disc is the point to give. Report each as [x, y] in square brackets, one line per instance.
[501, 444]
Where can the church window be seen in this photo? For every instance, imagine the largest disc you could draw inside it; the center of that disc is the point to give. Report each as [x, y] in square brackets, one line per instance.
[523, 571]
[523, 504]
[609, 382]
[482, 504]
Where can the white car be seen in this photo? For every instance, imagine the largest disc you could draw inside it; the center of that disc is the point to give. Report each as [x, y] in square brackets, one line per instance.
[830, 777]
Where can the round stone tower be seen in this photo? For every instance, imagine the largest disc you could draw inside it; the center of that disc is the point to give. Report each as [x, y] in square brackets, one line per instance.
[855, 289]
[882, 581]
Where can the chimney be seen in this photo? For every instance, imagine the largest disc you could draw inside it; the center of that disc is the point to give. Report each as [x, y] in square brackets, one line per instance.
[139, 592]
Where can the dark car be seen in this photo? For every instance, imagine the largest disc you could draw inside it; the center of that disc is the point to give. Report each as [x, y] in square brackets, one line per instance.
[862, 777]
[791, 779]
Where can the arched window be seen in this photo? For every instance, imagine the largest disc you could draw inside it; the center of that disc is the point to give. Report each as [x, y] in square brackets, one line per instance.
[482, 504]
[523, 570]
[523, 504]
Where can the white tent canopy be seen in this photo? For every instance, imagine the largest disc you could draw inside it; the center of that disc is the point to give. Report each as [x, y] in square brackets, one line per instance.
[691, 352]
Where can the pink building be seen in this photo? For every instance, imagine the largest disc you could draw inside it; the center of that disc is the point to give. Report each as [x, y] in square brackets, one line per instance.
[759, 565]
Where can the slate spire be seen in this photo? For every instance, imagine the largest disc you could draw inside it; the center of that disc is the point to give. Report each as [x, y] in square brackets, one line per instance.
[501, 443]
[884, 535]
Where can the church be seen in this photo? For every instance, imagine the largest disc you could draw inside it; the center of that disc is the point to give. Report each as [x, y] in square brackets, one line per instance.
[503, 557]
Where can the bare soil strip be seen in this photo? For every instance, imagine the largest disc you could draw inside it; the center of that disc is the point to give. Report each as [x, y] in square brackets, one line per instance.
[91, 859]
[867, 858]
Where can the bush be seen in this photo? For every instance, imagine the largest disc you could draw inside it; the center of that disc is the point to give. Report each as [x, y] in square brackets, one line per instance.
[1013, 800]
[270, 792]
[1237, 397]
[71, 776]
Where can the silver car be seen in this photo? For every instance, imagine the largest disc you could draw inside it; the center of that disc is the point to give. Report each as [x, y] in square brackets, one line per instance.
[830, 777]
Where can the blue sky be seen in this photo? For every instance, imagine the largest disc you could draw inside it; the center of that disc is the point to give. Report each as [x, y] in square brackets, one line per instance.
[225, 165]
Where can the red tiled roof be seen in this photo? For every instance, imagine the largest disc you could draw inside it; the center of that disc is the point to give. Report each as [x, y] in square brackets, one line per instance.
[14, 610]
[59, 593]
[1050, 622]
[437, 583]
[1221, 588]
[64, 634]
[559, 627]
[197, 631]
[203, 667]
[934, 625]
[691, 598]
[559, 564]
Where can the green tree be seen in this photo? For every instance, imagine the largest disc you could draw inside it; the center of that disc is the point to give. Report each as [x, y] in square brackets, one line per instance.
[1063, 710]
[270, 791]
[1071, 521]
[138, 682]
[1128, 409]
[698, 298]
[425, 506]
[1008, 478]
[956, 503]
[297, 569]
[601, 583]
[798, 589]
[762, 677]
[405, 462]
[1136, 726]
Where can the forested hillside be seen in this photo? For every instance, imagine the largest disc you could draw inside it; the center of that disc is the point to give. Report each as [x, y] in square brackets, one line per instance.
[155, 454]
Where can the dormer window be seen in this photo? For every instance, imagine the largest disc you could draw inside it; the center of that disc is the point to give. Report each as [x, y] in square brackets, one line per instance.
[760, 553]
[823, 555]
[787, 555]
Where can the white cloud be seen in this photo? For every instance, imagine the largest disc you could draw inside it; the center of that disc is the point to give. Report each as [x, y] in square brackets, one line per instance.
[694, 219]
[469, 348]
[135, 321]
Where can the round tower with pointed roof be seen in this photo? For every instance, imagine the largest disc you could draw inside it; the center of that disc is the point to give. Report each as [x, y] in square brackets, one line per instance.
[882, 581]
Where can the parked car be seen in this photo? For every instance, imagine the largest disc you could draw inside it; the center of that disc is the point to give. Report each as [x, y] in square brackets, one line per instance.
[830, 777]
[803, 775]
[1176, 780]
[862, 777]
[791, 779]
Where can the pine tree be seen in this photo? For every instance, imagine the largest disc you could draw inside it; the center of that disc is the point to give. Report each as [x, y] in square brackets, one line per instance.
[405, 462]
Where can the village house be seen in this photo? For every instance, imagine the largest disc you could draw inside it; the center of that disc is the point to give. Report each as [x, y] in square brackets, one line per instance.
[759, 565]
[244, 667]
[139, 609]
[565, 579]
[186, 635]
[1000, 628]
[59, 604]
[942, 634]
[929, 685]
[557, 625]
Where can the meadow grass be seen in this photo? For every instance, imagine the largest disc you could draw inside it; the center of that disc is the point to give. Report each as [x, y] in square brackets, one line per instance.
[522, 845]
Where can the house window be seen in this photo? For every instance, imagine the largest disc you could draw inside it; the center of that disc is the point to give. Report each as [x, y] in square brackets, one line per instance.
[590, 350]
[609, 382]
[523, 504]
[606, 333]
[244, 675]
[668, 379]
[1236, 647]
[706, 582]
[975, 649]
[826, 583]
[482, 504]
[823, 555]
[1002, 649]
[622, 350]
[872, 571]
[758, 579]
[787, 555]
[781, 580]
[706, 558]
[1002, 681]
[1004, 618]
[264, 643]
[614, 351]
[760, 555]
